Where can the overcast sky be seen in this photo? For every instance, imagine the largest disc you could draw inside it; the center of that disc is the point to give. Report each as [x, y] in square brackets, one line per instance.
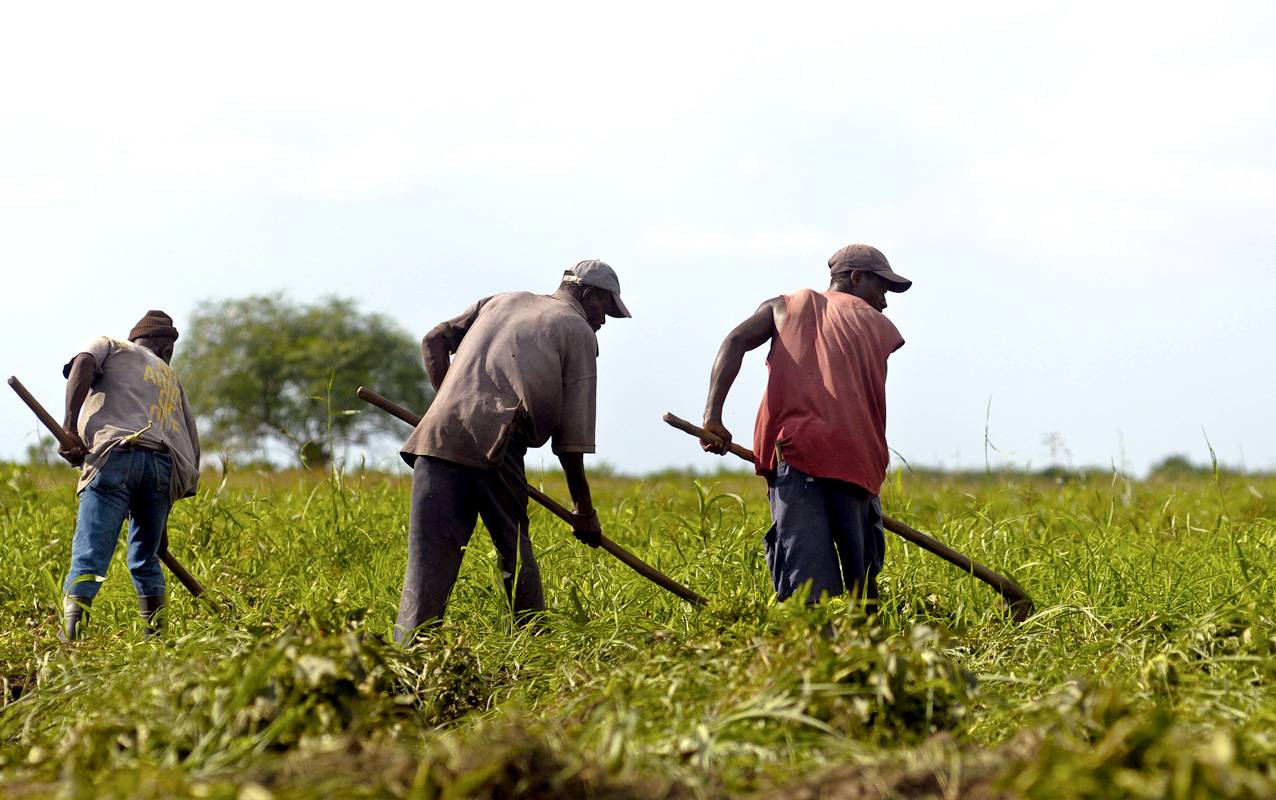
[1083, 194]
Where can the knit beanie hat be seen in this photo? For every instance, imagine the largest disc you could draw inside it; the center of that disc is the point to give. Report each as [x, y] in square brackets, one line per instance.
[155, 325]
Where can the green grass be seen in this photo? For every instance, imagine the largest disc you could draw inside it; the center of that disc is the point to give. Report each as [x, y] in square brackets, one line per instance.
[1147, 670]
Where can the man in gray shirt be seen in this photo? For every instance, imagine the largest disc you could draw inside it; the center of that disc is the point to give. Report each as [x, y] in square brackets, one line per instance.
[512, 371]
[139, 451]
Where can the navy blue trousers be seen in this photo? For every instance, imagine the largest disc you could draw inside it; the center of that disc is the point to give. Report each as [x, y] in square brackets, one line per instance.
[827, 532]
[447, 500]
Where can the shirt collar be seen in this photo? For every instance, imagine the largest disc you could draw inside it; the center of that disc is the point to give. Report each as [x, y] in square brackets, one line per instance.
[565, 297]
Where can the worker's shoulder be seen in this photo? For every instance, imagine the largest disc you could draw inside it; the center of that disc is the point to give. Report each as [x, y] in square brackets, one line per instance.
[543, 313]
[510, 297]
[804, 293]
[522, 303]
[798, 298]
[549, 309]
[125, 346]
[119, 361]
[126, 355]
[102, 347]
[870, 319]
[103, 342]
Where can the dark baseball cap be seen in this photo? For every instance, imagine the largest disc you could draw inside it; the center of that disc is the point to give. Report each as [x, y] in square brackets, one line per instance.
[869, 259]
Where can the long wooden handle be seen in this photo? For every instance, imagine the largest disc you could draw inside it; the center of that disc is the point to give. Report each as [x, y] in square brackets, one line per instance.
[65, 439]
[183, 575]
[629, 559]
[1016, 598]
[68, 442]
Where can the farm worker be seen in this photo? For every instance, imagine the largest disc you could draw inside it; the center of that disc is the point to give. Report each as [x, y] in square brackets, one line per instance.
[820, 435]
[139, 451]
[511, 372]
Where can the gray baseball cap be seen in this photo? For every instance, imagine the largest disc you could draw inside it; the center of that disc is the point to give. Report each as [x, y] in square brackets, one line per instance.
[599, 275]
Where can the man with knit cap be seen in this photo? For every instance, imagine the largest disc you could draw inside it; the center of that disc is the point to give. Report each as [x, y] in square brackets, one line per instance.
[820, 436]
[138, 450]
[511, 372]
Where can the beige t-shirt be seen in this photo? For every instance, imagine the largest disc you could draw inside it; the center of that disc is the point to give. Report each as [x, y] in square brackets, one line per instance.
[135, 392]
[525, 366]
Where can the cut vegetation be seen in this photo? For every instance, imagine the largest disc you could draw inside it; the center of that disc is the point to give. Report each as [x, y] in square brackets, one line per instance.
[1147, 670]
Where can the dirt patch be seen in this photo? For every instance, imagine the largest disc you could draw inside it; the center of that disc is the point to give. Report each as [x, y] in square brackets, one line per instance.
[940, 770]
[14, 681]
[23, 790]
[511, 765]
[346, 766]
[11, 688]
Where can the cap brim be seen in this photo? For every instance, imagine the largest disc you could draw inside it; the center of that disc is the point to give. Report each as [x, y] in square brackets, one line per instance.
[618, 308]
[898, 283]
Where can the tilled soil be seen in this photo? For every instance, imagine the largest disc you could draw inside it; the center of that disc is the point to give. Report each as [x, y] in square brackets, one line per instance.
[515, 767]
[939, 770]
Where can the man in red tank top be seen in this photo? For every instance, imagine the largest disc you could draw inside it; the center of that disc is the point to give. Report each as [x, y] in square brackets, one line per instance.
[820, 436]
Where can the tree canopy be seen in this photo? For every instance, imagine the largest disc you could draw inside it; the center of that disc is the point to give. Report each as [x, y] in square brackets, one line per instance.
[263, 369]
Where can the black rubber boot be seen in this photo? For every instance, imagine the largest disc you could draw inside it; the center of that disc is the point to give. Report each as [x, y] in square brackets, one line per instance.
[152, 614]
[75, 617]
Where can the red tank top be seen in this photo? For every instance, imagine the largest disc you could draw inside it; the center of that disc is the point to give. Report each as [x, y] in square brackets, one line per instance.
[825, 401]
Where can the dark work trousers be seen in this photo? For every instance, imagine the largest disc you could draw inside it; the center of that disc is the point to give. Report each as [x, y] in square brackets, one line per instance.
[827, 532]
[447, 498]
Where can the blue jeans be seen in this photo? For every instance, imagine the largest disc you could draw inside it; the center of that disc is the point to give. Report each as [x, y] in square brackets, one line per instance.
[827, 532]
[134, 483]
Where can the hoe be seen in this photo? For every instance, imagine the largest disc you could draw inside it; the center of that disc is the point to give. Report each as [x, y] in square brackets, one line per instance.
[632, 561]
[68, 442]
[1012, 594]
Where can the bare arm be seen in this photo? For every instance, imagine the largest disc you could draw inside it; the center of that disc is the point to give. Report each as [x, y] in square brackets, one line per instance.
[577, 483]
[586, 526]
[78, 383]
[751, 334]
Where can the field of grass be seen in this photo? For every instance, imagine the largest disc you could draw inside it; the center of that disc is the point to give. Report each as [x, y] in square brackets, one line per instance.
[1147, 671]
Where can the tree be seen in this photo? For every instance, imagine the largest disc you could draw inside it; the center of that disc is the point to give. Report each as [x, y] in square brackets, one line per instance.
[43, 453]
[263, 369]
